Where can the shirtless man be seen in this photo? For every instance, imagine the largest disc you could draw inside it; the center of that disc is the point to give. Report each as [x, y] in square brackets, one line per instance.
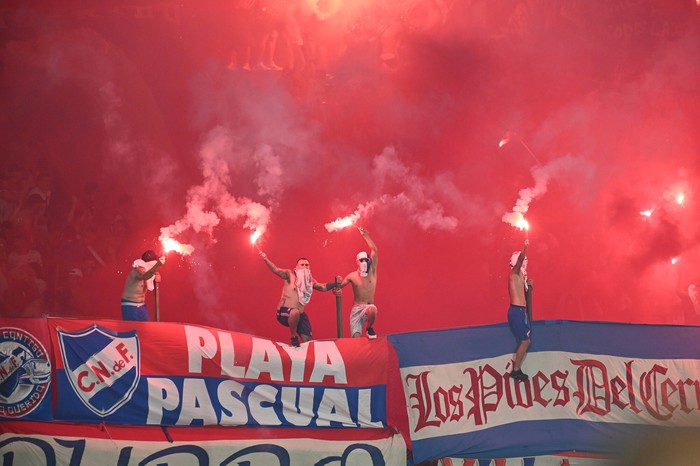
[141, 278]
[364, 284]
[518, 319]
[296, 293]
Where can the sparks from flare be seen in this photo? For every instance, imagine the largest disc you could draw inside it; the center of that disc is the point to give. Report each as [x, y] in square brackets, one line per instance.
[674, 260]
[646, 213]
[511, 135]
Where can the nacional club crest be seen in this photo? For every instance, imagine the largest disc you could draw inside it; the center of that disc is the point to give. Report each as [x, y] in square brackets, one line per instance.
[102, 367]
[25, 372]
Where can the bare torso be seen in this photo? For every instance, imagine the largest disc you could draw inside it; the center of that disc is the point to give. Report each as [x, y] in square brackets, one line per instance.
[135, 286]
[516, 288]
[290, 295]
[363, 287]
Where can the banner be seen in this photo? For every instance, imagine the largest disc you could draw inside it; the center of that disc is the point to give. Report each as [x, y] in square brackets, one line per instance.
[546, 460]
[25, 369]
[591, 386]
[155, 373]
[53, 444]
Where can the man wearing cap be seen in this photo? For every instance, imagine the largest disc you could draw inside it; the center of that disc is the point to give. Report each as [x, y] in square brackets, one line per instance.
[141, 278]
[364, 284]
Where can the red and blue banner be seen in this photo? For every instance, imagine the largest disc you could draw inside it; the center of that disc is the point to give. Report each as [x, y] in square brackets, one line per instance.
[53, 444]
[171, 374]
[25, 369]
[592, 387]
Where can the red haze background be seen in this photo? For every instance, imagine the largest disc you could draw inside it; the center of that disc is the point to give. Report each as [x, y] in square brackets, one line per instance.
[138, 114]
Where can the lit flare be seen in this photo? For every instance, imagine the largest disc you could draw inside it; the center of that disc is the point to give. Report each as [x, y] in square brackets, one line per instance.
[522, 224]
[255, 236]
[170, 244]
[341, 223]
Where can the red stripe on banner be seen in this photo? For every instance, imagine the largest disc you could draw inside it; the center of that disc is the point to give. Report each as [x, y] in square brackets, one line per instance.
[173, 349]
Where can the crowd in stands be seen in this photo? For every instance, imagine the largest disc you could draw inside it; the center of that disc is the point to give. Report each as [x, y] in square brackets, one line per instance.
[54, 245]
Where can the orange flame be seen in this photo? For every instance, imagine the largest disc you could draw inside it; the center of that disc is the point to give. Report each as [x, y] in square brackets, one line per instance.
[522, 224]
[255, 235]
[680, 197]
[169, 244]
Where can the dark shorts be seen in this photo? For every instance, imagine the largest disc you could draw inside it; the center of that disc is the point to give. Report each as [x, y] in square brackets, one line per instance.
[518, 322]
[134, 311]
[304, 327]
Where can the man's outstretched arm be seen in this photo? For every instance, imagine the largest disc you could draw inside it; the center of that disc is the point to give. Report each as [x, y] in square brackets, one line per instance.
[521, 257]
[373, 247]
[282, 273]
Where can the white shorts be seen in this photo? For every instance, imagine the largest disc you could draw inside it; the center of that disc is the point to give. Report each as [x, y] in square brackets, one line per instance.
[358, 318]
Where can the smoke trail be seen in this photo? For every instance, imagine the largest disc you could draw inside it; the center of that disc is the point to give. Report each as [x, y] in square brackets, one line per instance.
[557, 168]
[362, 210]
[414, 196]
[211, 202]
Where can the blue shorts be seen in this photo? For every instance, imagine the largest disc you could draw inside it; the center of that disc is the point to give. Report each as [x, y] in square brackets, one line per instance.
[134, 311]
[518, 322]
[304, 326]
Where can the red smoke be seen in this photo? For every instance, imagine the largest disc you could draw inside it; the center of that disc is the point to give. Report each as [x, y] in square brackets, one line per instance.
[395, 114]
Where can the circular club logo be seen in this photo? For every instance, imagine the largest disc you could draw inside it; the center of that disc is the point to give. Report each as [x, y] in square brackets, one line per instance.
[25, 372]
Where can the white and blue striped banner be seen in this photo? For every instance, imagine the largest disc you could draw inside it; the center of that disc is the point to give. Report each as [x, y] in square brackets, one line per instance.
[592, 387]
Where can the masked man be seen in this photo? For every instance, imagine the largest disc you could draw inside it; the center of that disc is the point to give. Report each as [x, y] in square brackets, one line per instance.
[141, 278]
[518, 320]
[364, 284]
[296, 293]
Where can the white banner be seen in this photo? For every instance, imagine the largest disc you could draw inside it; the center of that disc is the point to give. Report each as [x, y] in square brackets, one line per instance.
[472, 396]
[43, 450]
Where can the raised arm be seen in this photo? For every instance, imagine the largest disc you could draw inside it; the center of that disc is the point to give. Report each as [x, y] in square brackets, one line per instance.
[521, 257]
[152, 271]
[282, 273]
[373, 247]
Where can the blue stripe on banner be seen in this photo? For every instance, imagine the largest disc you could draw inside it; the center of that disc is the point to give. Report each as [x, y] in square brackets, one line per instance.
[472, 343]
[537, 438]
[197, 401]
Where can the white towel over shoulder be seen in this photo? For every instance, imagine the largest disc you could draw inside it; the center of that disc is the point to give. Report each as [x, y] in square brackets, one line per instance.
[305, 285]
[148, 266]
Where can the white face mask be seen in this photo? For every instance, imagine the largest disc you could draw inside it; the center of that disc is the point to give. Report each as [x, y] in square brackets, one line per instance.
[363, 267]
[514, 260]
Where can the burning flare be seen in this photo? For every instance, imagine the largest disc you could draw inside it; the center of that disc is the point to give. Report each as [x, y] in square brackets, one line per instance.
[169, 244]
[255, 236]
[340, 223]
[522, 224]
[362, 210]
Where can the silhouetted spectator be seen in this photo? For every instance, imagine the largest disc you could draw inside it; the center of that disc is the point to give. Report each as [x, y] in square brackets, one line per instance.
[26, 290]
[22, 252]
[72, 296]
